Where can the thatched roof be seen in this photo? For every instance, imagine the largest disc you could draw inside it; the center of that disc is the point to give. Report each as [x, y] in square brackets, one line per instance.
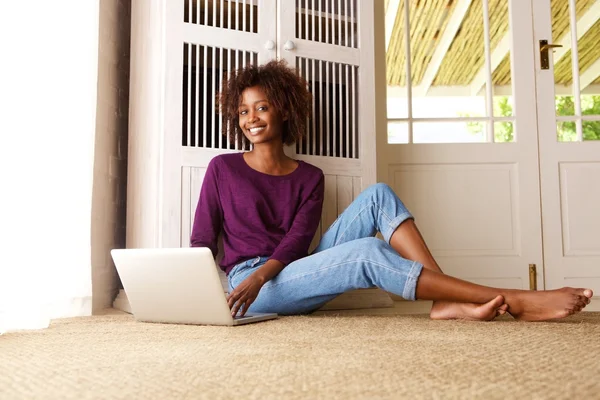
[465, 56]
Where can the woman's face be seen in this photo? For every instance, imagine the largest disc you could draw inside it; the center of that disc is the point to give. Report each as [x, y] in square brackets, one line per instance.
[259, 120]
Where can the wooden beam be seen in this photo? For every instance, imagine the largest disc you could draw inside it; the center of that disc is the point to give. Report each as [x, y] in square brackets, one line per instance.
[390, 20]
[584, 24]
[589, 75]
[456, 19]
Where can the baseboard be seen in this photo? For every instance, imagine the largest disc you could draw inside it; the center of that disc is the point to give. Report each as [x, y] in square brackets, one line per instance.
[360, 299]
[398, 308]
[594, 305]
[404, 307]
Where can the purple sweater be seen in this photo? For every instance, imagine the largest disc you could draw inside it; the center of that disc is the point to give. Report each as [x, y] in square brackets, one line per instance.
[259, 214]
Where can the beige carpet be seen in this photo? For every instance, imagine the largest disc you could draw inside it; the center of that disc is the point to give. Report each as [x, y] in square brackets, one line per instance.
[115, 357]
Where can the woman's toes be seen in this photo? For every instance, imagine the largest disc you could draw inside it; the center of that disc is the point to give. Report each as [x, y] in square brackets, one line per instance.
[584, 301]
[497, 301]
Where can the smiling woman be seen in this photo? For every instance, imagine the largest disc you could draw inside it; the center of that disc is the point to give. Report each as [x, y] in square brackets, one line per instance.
[268, 206]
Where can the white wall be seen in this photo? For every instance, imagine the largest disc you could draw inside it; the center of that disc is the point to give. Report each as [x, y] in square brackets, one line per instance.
[49, 80]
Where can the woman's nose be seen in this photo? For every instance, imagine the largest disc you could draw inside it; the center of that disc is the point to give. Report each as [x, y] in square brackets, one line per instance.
[252, 118]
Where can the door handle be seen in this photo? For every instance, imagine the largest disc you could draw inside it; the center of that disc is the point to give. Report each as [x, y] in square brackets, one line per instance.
[544, 46]
[289, 45]
[270, 45]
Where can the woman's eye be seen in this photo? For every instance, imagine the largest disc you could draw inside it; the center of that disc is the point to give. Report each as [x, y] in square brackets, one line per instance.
[243, 112]
[262, 108]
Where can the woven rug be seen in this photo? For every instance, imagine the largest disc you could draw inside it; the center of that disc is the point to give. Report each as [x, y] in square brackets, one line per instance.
[325, 356]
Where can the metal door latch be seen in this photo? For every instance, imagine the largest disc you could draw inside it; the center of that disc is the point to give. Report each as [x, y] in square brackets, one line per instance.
[544, 46]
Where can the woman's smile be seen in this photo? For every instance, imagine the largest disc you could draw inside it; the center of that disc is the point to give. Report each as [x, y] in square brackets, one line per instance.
[256, 130]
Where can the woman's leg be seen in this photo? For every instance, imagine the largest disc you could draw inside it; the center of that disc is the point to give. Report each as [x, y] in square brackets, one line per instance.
[409, 243]
[522, 304]
[378, 209]
[308, 283]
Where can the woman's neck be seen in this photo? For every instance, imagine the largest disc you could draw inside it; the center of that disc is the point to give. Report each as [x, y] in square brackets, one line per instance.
[270, 160]
[269, 154]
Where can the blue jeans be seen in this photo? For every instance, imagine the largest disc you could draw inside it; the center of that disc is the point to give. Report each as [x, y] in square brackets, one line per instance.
[348, 257]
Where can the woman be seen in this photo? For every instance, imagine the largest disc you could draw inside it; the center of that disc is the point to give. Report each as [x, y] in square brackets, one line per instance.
[268, 207]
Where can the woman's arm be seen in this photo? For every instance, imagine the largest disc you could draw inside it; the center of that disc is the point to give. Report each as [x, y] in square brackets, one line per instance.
[296, 242]
[208, 219]
[247, 291]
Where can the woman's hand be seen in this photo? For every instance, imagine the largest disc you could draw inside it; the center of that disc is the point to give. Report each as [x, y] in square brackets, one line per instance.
[245, 294]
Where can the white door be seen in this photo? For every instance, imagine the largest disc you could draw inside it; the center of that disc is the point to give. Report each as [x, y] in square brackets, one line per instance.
[462, 148]
[568, 94]
[327, 41]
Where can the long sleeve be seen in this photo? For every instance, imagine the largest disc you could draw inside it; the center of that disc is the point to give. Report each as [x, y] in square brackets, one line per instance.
[296, 242]
[208, 219]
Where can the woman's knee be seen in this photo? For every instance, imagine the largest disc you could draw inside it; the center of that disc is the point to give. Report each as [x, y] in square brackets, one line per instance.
[379, 190]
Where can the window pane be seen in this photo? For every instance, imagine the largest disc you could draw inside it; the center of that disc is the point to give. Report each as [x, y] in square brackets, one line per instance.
[566, 131]
[503, 106]
[448, 71]
[500, 58]
[397, 132]
[591, 130]
[396, 52]
[449, 132]
[504, 132]
[562, 57]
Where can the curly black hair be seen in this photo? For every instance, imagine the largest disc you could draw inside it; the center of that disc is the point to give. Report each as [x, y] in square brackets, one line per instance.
[284, 89]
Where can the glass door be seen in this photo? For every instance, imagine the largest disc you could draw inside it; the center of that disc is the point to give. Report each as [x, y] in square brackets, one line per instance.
[462, 148]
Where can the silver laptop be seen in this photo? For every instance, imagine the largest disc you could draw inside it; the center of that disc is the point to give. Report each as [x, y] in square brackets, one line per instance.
[177, 285]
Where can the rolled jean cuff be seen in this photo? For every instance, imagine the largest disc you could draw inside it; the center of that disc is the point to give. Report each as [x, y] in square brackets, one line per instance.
[394, 224]
[410, 288]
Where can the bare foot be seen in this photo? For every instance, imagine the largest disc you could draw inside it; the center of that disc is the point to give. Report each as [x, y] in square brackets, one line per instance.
[548, 304]
[469, 311]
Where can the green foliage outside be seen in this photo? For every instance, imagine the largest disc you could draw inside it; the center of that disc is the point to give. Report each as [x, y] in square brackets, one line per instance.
[565, 106]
